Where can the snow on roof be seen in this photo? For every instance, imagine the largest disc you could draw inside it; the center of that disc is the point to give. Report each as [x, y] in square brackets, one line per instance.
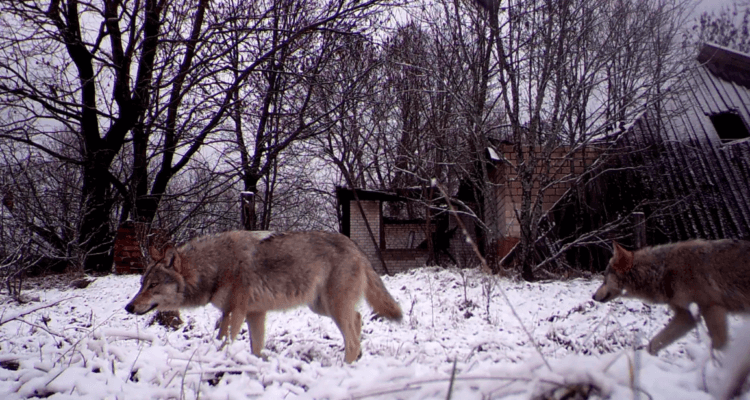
[725, 63]
[493, 154]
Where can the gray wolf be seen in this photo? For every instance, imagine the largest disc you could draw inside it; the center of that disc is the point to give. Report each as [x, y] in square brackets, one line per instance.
[713, 274]
[245, 274]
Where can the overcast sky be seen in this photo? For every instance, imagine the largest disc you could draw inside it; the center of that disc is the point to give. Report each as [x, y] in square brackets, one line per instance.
[713, 5]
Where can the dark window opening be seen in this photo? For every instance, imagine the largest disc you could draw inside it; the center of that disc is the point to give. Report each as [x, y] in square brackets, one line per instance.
[729, 126]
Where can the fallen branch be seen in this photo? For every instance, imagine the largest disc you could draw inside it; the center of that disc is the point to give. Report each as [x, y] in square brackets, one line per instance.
[40, 327]
[33, 309]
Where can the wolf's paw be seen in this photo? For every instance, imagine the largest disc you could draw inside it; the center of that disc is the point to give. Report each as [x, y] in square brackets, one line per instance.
[349, 361]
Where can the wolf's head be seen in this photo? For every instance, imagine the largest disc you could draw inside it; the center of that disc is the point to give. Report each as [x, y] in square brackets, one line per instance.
[620, 263]
[162, 285]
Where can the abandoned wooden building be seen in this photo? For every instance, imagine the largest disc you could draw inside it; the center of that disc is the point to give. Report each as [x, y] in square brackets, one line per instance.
[395, 242]
[684, 163]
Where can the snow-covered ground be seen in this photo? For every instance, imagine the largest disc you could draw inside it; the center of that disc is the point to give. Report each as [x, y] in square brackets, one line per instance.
[456, 323]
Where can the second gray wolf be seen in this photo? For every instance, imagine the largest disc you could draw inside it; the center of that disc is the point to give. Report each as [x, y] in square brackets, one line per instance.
[714, 274]
[245, 274]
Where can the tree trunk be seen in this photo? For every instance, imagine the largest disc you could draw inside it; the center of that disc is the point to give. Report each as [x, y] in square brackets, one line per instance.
[94, 236]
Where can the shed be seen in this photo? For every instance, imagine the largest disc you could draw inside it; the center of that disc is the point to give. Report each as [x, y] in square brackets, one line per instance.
[398, 236]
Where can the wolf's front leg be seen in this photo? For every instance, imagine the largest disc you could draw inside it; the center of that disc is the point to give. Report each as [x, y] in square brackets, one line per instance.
[256, 323]
[681, 324]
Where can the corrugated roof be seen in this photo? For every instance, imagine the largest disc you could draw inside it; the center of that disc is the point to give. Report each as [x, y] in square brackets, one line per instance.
[674, 165]
[726, 63]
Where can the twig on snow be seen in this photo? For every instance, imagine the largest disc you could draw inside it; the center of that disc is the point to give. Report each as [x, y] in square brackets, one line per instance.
[33, 309]
[453, 379]
[184, 374]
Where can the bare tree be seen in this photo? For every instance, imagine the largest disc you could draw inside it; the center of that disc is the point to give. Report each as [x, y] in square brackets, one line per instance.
[729, 28]
[286, 83]
[424, 115]
[134, 90]
[354, 139]
[38, 219]
[73, 68]
[570, 72]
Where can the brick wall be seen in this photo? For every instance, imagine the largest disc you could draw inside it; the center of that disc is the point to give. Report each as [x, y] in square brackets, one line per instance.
[394, 241]
[131, 241]
[509, 190]
[399, 260]
[358, 230]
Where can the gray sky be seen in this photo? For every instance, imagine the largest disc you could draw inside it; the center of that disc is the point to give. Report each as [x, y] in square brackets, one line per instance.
[713, 5]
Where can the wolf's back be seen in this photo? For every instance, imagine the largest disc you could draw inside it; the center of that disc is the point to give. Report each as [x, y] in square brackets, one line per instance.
[377, 295]
[728, 257]
[710, 272]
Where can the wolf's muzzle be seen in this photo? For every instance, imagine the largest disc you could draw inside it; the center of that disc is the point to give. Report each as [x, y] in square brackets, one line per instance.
[603, 299]
[131, 309]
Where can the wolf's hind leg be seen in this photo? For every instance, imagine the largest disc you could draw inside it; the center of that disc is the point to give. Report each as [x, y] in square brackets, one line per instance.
[350, 327]
[350, 324]
[681, 324]
[716, 322]
[256, 323]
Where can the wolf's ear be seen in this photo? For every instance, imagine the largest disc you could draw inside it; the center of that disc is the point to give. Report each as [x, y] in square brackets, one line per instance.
[622, 261]
[155, 253]
[172, 258]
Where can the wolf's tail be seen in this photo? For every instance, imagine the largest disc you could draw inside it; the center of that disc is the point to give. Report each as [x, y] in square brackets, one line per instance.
[380, 300]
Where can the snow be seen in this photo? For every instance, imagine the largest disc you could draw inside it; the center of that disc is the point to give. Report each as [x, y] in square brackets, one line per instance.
[87, 347]
[493, 154]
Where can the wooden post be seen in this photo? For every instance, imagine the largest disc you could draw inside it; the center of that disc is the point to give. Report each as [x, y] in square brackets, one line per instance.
[639, 230]
[247, 210]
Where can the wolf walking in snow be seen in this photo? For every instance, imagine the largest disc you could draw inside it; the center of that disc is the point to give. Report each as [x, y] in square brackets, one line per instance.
[248, 273]
[713, 274]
